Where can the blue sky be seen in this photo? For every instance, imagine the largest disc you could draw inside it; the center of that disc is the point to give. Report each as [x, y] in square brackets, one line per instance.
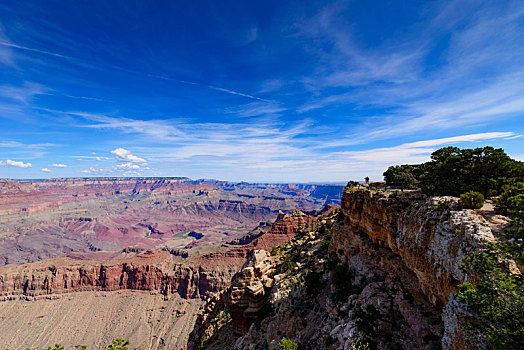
[269, 91]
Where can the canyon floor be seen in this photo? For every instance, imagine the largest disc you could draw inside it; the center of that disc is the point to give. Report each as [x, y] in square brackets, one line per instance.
[148, 320]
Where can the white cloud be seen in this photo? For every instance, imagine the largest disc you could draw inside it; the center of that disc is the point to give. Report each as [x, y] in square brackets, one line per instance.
[257, 109]
[127, 166]
[123, 155]
[59, 165]
[14, 163]
[23, 93]
[46, 170]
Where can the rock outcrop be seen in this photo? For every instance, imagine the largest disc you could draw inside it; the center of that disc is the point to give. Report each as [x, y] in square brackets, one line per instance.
[250, 290]
[383, 272]
[430, 235]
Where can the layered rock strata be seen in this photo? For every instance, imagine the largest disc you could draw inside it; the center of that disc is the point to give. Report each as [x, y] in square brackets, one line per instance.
[151, 271]
[140, 269]
[52, 218]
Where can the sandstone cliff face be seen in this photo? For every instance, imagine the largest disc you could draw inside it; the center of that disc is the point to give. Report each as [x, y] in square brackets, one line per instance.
[281, 298]
[151, 271]
[431, 238]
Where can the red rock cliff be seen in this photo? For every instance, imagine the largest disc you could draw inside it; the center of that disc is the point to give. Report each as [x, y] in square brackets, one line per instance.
[153, 271]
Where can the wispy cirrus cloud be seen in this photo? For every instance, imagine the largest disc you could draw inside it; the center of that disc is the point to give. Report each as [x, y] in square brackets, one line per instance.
[17, 144]
[256, 109]
[479, 75]
[270, 149]
[23, 93]
[417, 152]
[6, 56]
[97, 158]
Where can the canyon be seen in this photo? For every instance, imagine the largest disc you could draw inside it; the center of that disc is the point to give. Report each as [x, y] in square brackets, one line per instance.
[60, 217]
[382, 269]
[159, 244]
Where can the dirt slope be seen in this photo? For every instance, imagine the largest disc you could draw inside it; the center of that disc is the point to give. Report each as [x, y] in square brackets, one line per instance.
[148, 320]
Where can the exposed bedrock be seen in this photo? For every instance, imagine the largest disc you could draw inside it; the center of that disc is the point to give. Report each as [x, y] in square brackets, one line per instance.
[431, 238]
[152, 271]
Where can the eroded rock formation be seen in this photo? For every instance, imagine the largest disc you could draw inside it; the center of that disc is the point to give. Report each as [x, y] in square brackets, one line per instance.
[385, 272]
[150, 270]
[141, 269]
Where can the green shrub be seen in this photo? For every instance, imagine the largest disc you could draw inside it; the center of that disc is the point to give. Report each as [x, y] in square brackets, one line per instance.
[453, 171]
[404, 176]
[360, 345]
[118, 344]
[326, 234]
[286, 344]
[287, 263]
[202, 344]
[511, 203]
[472, 200]
[351, 184]
[498, 296]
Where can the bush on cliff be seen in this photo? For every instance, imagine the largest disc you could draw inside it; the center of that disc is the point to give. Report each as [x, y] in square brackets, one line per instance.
[471, 200]
[118, 344]
[286, 344]
[511, 203]
[453, 171]
[498, 295]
